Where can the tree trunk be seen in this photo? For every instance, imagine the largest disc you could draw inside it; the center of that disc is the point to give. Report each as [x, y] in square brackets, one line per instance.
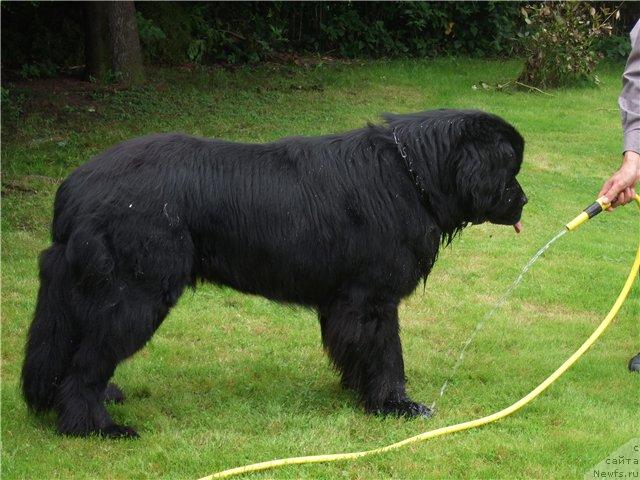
[112, 43]
[96, 43]
[126, 58]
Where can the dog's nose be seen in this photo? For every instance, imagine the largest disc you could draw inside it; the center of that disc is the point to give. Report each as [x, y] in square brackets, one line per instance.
[524, 200]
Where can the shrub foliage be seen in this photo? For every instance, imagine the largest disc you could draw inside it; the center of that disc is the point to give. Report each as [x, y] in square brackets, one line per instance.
[38, 33]
[42, 38]
[560, 42]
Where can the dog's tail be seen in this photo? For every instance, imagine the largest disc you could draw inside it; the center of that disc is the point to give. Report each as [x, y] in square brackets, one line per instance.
[51, 339]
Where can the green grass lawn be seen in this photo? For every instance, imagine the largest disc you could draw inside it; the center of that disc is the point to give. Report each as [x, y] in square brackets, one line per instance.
[231, 379]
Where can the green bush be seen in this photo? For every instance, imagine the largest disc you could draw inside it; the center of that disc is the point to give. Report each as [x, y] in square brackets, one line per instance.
[150, 35]
[43, 33]
[11, 105]
[615, 47]
[38, 70]
[41, 38]
[44, 38]
[560, 42]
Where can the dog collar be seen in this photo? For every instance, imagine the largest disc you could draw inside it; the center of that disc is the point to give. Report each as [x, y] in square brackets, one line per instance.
[411, 171]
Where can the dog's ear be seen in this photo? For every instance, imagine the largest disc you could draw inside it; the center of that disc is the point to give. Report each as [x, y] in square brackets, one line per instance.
[482, 175]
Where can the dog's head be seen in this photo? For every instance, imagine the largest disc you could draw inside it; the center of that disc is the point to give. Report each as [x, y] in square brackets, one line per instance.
[488, 157]
[468, 161]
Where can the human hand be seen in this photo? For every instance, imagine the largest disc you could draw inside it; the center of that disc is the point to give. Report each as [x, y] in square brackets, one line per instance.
[620, 188]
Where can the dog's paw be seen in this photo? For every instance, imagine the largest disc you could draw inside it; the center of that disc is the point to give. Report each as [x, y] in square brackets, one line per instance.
[113, 394]
[405, 408]
[119, 431]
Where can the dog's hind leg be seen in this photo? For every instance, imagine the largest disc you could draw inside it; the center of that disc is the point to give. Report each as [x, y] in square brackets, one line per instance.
[361, 334]
[80, 401]
[117, 330]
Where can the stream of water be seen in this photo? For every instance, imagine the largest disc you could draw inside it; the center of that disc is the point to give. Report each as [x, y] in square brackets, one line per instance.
[491, 312]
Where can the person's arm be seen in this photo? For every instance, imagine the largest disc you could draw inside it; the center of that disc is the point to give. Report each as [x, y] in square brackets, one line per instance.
[620, 188]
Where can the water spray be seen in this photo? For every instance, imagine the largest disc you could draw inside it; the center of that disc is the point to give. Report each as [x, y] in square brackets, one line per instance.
[589, 212]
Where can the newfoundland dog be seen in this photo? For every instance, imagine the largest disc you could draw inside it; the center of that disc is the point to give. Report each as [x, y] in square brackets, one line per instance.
[347, 224]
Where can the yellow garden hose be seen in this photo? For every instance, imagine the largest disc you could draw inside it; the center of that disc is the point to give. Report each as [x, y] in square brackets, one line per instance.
[589, 212]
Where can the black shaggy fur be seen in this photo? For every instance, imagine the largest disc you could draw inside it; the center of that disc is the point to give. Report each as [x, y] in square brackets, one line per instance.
[337, 223]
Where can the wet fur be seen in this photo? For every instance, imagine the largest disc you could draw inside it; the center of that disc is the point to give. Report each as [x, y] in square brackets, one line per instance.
[334, 223]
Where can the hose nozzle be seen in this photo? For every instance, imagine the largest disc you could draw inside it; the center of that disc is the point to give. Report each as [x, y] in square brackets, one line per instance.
[589, 212]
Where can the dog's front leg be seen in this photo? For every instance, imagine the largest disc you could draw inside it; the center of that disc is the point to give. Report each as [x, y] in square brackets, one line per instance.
[360, 332]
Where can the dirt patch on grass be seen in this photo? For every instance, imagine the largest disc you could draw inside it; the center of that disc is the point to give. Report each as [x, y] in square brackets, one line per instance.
[29, 184]
[64, 99]
[53, 96]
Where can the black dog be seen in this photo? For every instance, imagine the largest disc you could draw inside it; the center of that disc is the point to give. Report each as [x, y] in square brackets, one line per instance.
[348, 224]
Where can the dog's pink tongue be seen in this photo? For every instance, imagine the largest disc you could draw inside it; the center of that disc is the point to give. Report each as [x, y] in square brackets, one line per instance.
[518, 227]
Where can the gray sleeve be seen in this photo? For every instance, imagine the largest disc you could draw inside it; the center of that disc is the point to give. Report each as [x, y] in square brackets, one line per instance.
[629, 100]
